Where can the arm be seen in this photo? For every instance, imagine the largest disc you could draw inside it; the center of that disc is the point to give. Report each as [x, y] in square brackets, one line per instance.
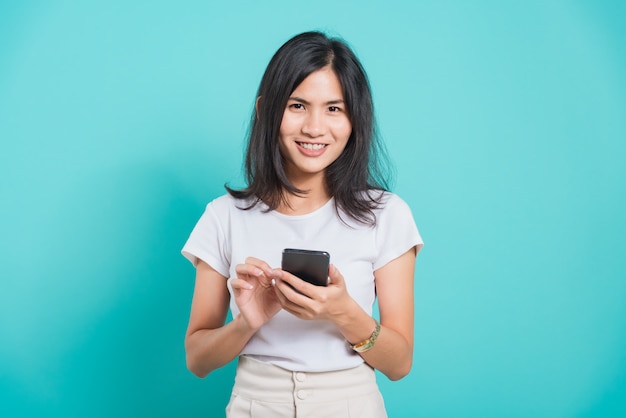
[393, 352]
[209, 342]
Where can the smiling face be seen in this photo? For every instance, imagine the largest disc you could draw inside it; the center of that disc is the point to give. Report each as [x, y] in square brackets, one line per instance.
[315, 127]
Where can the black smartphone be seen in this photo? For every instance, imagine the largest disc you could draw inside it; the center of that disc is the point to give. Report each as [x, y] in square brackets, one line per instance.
[309, 265]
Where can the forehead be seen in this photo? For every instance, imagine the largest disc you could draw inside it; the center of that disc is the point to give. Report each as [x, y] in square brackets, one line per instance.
[323, 82]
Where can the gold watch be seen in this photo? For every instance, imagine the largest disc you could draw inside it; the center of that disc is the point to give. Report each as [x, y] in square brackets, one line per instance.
[368, 343]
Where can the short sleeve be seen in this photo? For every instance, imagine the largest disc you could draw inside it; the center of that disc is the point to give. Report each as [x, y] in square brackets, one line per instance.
[396, 231]
[208, 241]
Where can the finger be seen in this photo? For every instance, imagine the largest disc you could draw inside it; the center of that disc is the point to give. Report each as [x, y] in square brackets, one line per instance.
[248, 269]
[239, 284]
[281, 287]
[296, 284]
[334, 275]
[260, 264]
[287, 304]
[295, 298]
[284, 301]
[280, 295]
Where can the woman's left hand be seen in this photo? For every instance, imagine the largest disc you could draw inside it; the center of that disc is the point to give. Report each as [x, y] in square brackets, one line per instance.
[313, 302]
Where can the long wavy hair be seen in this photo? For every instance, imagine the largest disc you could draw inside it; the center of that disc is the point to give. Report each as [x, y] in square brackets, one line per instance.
[360, 174]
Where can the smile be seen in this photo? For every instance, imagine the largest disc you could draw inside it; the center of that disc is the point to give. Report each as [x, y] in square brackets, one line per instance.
[312, 147]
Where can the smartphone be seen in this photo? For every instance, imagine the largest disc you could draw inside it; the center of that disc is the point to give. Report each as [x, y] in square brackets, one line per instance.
[309, 265]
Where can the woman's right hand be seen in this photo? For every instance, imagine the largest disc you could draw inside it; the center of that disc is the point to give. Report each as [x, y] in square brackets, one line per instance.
[211, 342]
[254, 293]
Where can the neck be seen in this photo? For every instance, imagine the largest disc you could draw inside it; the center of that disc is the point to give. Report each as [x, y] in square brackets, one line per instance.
[315, 197]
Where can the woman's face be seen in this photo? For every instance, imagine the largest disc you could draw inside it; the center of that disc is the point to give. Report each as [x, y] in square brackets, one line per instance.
[315, 126]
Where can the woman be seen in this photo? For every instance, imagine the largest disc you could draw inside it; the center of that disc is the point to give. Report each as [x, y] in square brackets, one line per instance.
[315, 181]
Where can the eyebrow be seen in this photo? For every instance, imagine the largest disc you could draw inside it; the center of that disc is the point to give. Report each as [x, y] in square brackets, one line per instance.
[301, 100]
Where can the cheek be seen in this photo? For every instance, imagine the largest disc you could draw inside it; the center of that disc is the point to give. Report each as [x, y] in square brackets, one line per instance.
[346, 131]
[282, 148]
[284, 133]
[287, 124]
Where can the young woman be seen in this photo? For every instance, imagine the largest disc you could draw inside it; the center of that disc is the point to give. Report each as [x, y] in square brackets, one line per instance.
[315, 181]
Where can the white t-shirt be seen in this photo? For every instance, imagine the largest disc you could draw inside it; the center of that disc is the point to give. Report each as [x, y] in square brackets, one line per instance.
[226, 235]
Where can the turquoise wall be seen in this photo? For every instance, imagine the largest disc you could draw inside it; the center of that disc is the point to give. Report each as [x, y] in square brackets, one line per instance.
[507, 123]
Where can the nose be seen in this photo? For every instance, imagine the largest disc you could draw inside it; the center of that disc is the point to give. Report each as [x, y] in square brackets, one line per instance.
[313, 125]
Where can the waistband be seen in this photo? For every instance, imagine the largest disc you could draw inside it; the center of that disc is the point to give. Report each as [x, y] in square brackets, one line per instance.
[264, 381]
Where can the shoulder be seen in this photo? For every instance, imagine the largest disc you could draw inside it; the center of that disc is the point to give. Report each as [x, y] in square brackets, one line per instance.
[389, 202]
[224, 201]
[382, 205]
[393, 212]
[228, 203]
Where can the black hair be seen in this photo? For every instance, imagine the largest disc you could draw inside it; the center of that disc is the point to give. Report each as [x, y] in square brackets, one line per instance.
[358, 176]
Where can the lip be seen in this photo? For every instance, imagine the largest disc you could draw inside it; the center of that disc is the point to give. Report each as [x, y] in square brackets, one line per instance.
[311, 152]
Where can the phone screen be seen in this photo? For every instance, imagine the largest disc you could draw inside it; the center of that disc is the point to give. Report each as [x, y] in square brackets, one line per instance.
[309, 265]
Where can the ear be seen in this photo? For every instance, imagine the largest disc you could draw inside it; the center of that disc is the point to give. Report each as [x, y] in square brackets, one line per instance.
[256, 106]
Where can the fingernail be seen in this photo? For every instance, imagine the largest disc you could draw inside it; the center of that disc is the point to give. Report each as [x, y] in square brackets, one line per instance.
[258, 272]
[273, 282]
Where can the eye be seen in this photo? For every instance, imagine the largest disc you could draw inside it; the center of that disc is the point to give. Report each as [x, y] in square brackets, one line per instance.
[334, 109]
[297, 106]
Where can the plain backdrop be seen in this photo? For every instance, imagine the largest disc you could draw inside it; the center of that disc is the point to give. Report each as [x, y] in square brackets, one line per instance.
[506, 121]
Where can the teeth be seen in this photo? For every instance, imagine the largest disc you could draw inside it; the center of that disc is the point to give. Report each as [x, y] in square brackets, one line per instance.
[313, 147]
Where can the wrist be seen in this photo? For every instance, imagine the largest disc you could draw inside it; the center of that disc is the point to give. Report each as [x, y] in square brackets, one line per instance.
[355, 324]
[368, 343]
[350, 315]
[243, 326]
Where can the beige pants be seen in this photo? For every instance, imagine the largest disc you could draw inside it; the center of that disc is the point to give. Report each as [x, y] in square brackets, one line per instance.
[263, 390]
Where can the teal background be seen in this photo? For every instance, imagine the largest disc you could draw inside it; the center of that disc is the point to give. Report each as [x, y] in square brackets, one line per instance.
[506, 121]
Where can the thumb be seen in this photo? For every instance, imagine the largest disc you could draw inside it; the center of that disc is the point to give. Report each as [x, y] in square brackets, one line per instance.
[334, 275]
